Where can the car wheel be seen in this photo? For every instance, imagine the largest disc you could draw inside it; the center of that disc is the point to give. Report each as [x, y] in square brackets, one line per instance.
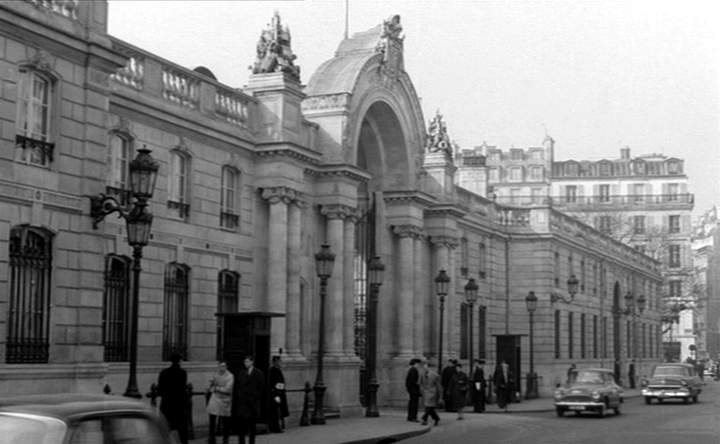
[648, 400]
[559, 411]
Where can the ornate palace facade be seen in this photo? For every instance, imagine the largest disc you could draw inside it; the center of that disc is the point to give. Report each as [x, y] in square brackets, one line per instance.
[251, 183]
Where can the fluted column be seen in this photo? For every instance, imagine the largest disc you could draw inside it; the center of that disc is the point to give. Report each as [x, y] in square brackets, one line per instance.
[348, 281]
[335, 319]
[406, 282]
[442, 259]
[292, 315]
[278, 198]
[420, 293]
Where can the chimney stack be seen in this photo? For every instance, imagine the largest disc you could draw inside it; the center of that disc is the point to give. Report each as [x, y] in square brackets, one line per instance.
[625, 153]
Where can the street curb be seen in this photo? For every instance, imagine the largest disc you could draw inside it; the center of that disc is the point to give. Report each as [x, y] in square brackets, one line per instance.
[387, 439]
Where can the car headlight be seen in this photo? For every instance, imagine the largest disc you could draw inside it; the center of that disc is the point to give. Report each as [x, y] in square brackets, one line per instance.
[595, 395]
[559, 394]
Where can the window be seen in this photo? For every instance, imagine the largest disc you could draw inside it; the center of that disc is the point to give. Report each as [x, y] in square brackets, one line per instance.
[175, 315]
[628, 338]
[582, 336]
[536, 194]
[604, 193]
[33, 139]
[604, 337]
[604, 169]
[583, 276]
[536, 155]
[116, 308]
[228, 198]
[639, 167]
[515, 174]
[29, 295]
[494, 175]
[639, 224]
[464, 329]
[674, 255]
[604, 224]
[515, 194]
[570, 193]
[595, 337]
[464, 257]
[556, 269]
[673, 189]
[557, 334]
[571, 169]
[119, 162]
[178, 182]
[536, 173]
[675, 289]
[674, 223]
[643, 328]
[482, 331]
[638, 191]
[571, 338]
[228, 284]
[673, 167]
[482, 266]
[516, 154]
[494, 156]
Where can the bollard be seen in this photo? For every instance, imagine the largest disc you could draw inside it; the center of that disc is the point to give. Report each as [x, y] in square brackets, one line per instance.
[107, 389]
[305, 417]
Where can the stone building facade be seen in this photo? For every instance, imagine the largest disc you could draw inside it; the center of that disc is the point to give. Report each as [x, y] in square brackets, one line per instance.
[251, 183]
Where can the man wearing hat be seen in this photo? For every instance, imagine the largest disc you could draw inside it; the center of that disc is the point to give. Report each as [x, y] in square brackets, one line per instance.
[478, 386]
[412, 384]
[445, 376]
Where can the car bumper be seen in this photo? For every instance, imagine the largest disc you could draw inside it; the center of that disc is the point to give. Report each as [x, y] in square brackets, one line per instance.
[579, 405]
[665, 393]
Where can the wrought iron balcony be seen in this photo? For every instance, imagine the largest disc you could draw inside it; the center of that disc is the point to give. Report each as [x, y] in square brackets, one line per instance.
[679, 199]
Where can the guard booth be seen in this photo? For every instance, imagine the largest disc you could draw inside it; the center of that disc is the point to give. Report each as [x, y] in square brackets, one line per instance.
[508, 349]
[242, 334]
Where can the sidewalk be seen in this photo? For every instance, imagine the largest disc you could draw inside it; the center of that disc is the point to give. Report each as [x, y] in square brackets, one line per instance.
[390, 425]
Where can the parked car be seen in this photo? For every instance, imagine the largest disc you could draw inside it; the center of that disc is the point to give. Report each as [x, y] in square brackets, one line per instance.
[80, 418]
[589, 390]
[672, 380]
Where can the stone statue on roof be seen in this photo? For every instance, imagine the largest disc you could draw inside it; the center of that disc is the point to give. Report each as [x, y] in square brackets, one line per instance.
[274, 53]
[438, 139]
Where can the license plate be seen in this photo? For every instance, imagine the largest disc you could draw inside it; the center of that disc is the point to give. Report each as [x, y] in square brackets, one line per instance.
[577, 407]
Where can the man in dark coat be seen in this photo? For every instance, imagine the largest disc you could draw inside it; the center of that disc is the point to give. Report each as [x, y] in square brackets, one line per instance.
[445, 376]
[172, 388]
[412, 385]
[631, 374]
[277, 404]
[478, 386]
[247, 399]
[503, 380]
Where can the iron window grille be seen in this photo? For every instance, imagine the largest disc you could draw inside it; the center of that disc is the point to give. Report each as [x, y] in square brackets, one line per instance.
[228, 286]
[175, 316]
[116, 309]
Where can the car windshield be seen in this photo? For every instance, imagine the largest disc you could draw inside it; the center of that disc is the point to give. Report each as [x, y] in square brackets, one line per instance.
[30, 429]
[586, 377]
[670, 371]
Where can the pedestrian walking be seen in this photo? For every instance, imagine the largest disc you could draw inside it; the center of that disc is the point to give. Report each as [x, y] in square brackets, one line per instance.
[172, 388]
[447, 373]
[502, 378]
[431, 391]
[277, 403]
[631, 374]
[478, 387]
[412, 385]
[247, 399]
[570, 373]
[458, 388]
[219, 406]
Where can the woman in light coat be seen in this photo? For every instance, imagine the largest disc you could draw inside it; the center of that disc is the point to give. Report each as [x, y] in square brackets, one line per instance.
[220, 402]
[431, 391]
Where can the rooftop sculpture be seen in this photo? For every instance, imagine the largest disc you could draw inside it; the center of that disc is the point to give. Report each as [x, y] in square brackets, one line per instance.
[274, 53]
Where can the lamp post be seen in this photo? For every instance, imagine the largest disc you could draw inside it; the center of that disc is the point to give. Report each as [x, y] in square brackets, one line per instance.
[376, 269]
[324, 261]
[442, 281]
[531, 388]
[471, 295]
[138, 220]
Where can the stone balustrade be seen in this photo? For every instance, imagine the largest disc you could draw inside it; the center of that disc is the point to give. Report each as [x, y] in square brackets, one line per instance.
[67, 8]
[180, 86]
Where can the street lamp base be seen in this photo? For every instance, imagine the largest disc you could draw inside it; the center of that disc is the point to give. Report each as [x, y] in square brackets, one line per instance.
[318, 416]
[372, 409]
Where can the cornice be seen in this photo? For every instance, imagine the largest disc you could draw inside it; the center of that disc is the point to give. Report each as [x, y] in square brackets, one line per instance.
[339, 211]
[268, 150]
[392, 197]
[445, 211]
[408, 230]
[344, 170]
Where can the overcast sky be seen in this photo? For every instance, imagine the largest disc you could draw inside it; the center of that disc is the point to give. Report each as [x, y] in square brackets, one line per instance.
[597, 75]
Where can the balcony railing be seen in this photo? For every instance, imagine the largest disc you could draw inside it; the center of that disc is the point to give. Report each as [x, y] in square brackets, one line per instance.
[183, 209]
[229, 220]
[625, 199]
[67, 8]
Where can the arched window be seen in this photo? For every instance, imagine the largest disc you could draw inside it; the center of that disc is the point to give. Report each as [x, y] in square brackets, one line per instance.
[175, 315]
[34, 111]
[228, 286]
[228, 197]
[29, 296]
[178, 182]
[116, 310]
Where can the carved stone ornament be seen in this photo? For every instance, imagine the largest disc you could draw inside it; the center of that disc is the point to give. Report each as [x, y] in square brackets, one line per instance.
[408, 230]
[338, 211]
[274, 52]
[327, 101]
[391, 46]
[280, 194]
[42, 60]
[438, 139]
[444, 241]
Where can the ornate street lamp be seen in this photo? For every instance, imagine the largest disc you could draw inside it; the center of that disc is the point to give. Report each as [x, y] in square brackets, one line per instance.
[471, 295]
[572, 289]
[442, 281]
[138, 220]
[531, 388]
[375, 275]
[324, 261]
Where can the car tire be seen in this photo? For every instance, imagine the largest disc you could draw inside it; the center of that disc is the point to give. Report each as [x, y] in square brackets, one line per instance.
[560, 412]
[648, 400]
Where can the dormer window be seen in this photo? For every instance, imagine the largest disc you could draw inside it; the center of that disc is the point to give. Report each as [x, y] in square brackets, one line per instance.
[673, 167]
[571, 169]
[604, 169]
[33, 140]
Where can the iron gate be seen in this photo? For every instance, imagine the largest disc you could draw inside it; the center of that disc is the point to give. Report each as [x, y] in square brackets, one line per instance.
[363, 252]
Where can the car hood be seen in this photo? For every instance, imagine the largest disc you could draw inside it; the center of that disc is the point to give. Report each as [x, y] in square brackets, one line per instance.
[583, 388]
[666, 380]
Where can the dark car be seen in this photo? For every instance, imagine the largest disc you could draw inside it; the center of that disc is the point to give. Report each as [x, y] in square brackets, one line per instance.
[589, 390]
[672, 381]
[71, 418]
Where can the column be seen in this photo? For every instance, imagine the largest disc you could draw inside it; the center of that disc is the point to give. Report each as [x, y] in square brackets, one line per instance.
[348, 290]
[406, 288]
[334, 319]
[292, 313]
[442, 260]
[420, 293]
[278, 198]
